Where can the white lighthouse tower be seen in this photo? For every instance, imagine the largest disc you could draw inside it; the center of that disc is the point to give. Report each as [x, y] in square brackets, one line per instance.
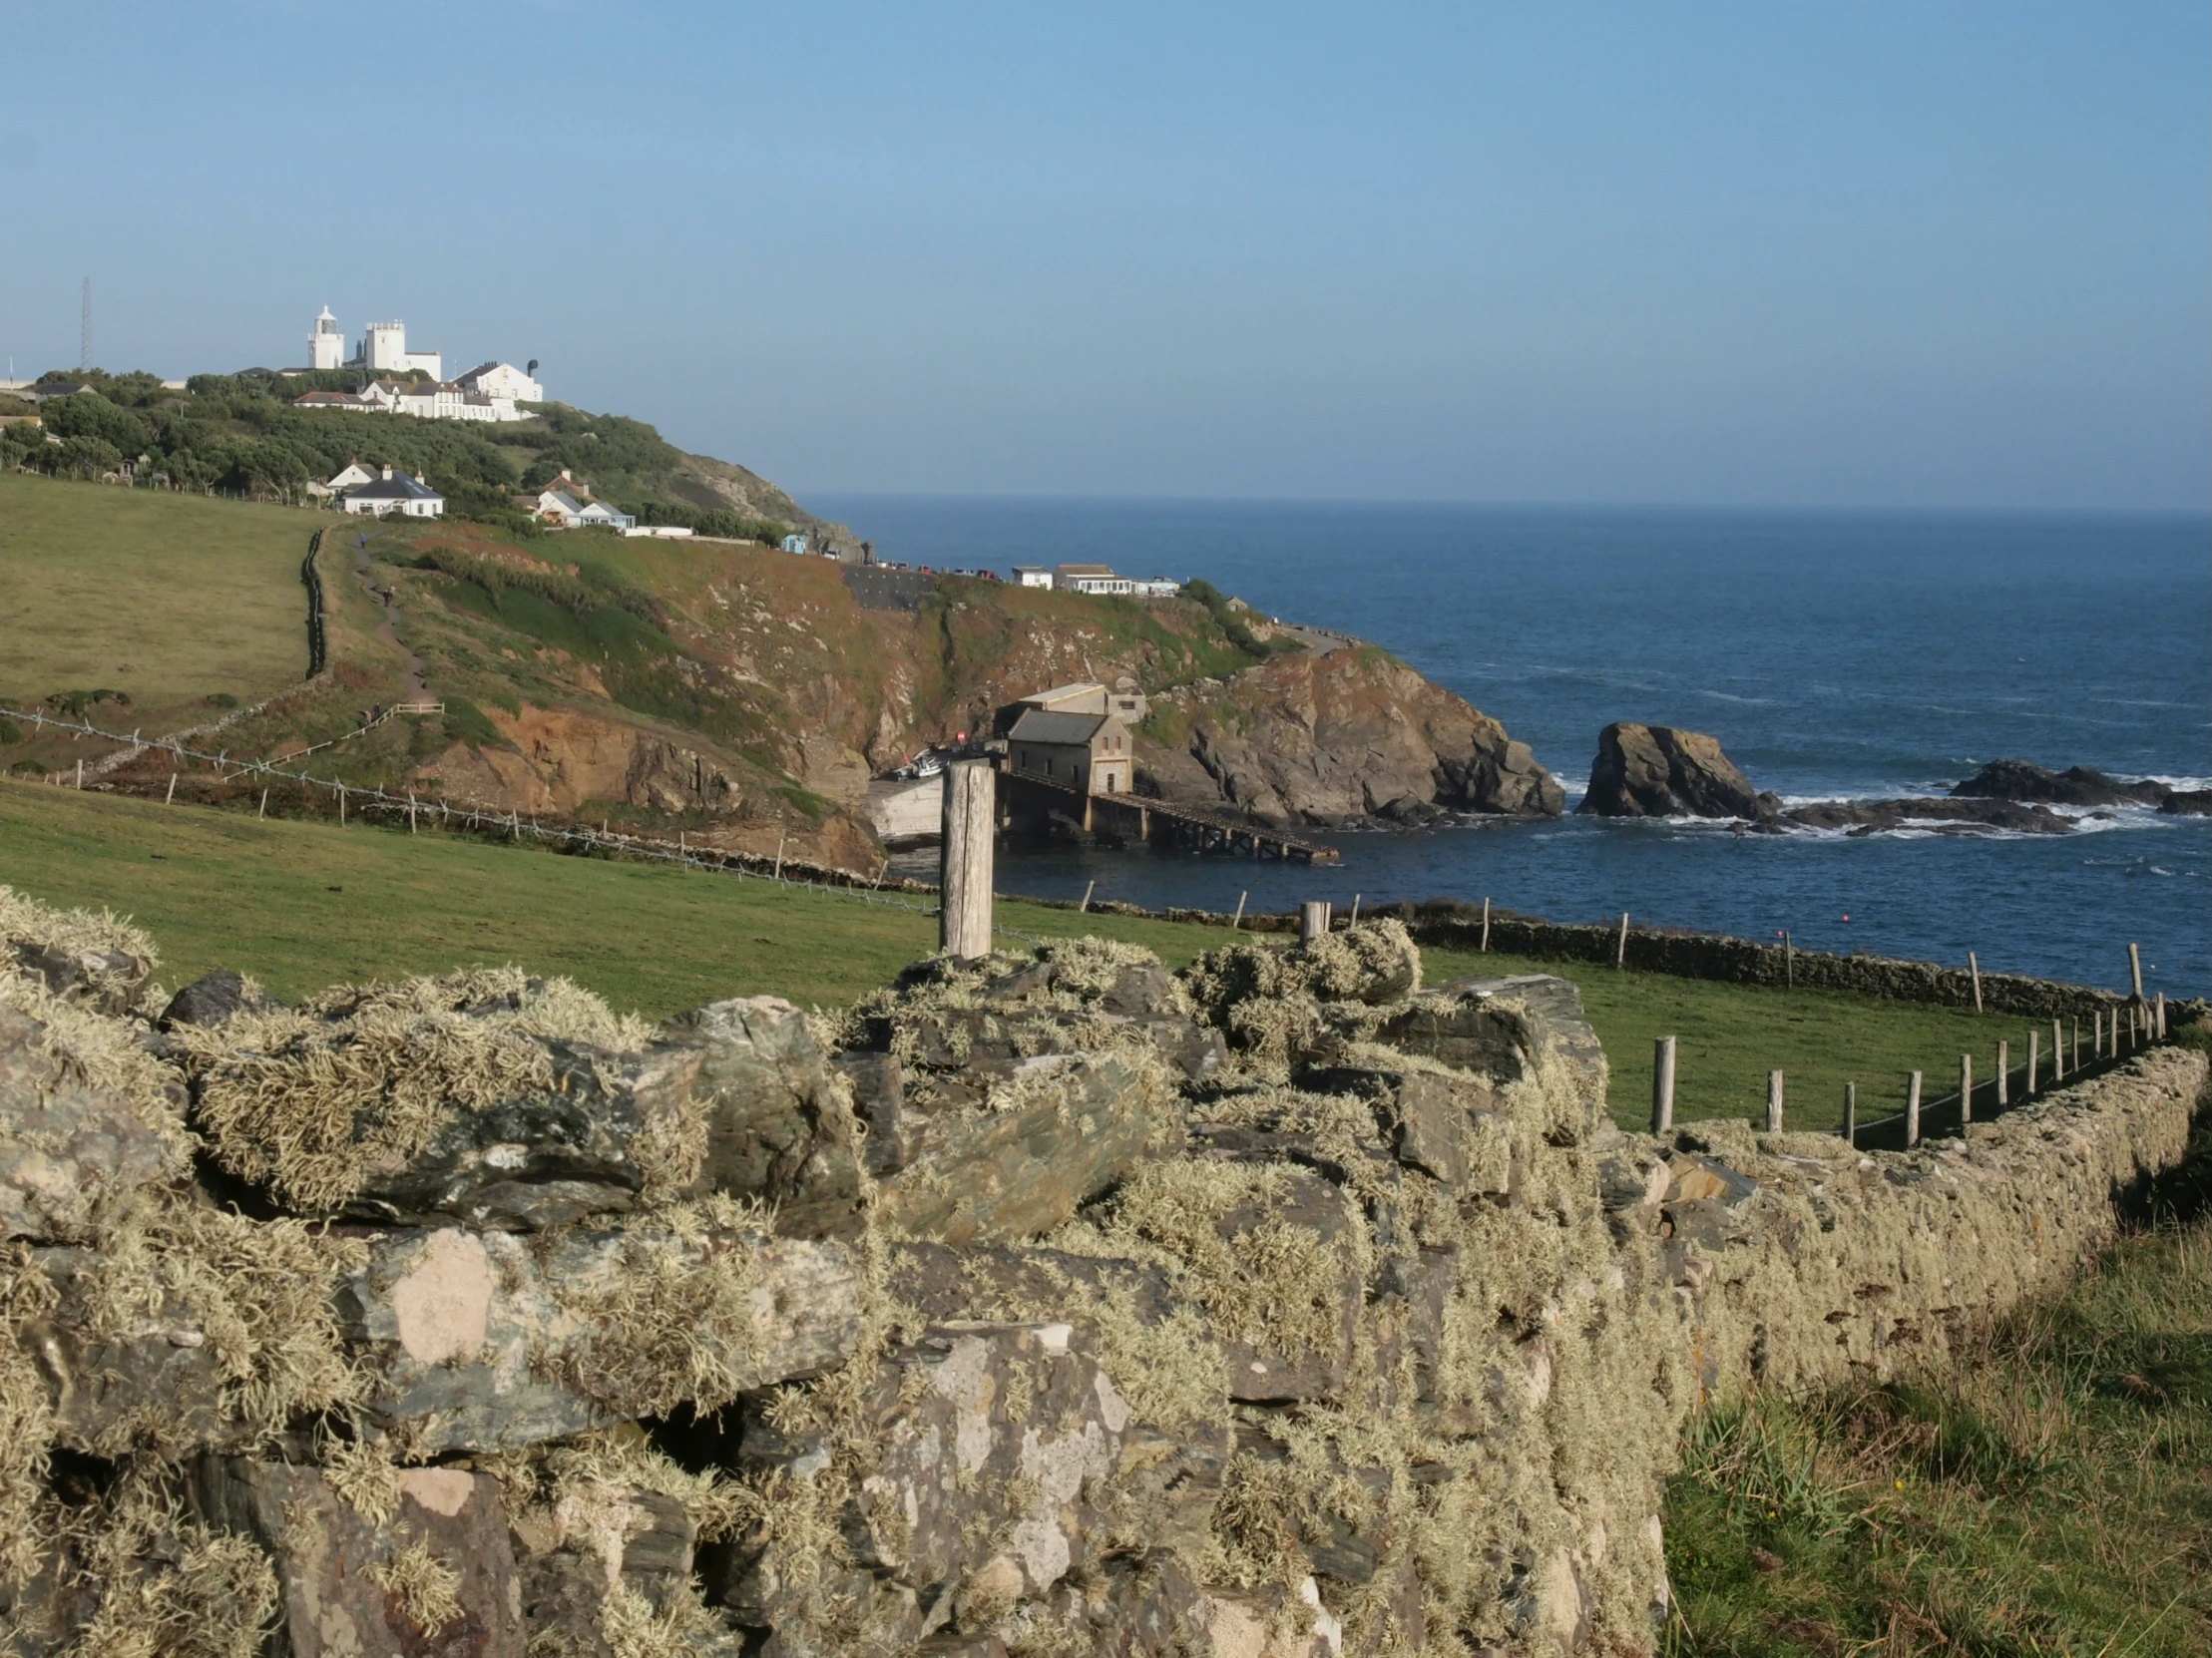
[326, 346]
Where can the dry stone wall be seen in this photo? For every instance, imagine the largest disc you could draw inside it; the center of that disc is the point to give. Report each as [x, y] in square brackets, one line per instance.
[1054, 1305]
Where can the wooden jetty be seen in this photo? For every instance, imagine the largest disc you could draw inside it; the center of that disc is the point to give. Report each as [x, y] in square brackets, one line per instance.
[1206, 829]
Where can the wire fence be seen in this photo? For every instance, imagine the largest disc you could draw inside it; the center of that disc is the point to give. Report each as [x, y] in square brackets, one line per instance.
[356, 799]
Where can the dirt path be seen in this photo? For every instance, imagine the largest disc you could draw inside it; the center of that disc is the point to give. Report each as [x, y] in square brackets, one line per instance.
[387, 631]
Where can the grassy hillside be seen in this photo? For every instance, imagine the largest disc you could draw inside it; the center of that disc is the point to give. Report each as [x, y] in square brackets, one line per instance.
[302, 904]
[167, 598]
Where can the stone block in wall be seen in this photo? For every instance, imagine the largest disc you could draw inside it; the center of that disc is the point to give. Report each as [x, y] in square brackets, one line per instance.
[1507, 1030]
[1060, 1132]
[992, 1477]
[483, 1342]
[148, 1380]
[608, 1564]
[779, 1120]
[69, 1147]
[434, 1577]
[102, 979]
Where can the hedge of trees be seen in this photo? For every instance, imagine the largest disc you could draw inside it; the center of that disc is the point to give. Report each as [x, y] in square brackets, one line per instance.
[238, 433]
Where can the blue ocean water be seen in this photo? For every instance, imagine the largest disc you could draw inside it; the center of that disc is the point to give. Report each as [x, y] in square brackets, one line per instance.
[1832, 654]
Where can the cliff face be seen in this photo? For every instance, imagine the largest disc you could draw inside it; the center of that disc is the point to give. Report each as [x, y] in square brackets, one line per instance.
[1336, 737]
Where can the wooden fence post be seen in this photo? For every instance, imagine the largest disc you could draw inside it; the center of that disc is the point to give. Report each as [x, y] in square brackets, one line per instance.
[1965, 1090]
[964, 869]
[80, 773]
[263, 812]
[2058, 1051]
[2161, 1031]
[2073, 1059]
[1084, 908]
[2033, 1057]
[1912, 1110]
[1621, 952]
[1975, 967]
[1663, 1085]
[1355, 920]
[2003, 1075]
[1774, 1102]
[1237, 921]
[2135, 969]
[779, 839]
[410, 811]
[1313, 919]
[170, 799]
[1851, 1113]
[1789, 961]
[1486, 925]
[341, 805]
[2096, 1032]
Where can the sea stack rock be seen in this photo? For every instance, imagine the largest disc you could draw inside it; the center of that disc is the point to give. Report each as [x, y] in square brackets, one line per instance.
[1658, 771]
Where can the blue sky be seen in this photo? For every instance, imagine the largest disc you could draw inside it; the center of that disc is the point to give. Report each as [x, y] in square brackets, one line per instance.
[1869, 253]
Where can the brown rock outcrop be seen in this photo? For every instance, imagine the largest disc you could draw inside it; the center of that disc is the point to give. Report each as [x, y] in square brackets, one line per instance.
[1335, 738]
[1661, 771]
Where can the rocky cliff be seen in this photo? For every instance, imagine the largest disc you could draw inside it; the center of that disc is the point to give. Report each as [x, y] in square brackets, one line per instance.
[1336, 736]
[1659, 771]
[1283, 1307]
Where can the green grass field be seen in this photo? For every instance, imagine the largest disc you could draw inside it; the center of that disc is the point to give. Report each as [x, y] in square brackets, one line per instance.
[169, 598]
[304, 905]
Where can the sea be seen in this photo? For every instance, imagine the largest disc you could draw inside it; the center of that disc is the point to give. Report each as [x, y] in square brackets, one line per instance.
[1834, 654]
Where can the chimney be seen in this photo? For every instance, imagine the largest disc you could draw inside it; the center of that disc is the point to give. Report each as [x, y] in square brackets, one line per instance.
[387, 474]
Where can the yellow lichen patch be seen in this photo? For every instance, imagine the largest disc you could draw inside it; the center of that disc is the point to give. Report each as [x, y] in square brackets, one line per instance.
[427, 1589]
[306, 1100]
[674, 1321]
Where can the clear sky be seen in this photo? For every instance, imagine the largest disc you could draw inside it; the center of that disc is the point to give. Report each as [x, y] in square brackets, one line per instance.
[1805, 251]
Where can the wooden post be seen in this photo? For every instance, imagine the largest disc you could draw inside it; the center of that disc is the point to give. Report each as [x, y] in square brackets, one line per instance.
[1313, 919]
[263, 812]
[2073, 1059]
[341, 805]
[2035, 1040]
[1789, 961]
[170, 799]
[682, 850]
[1663, 1085]
[1965, 1090]
[2003, 1075]
[2161, 1026]
[1084, 908]
[2057, 1052]
[1355, 920]
[1974, 967]
[2135, 969]
[1620, 950]
[1237, 921]
[780, 838]
[410, 811]
[1851, 1113]
[1912, 1110]
[1485, 926]
[1774, 1102]
[79, 773]
[2096, 1032]
[964, 860]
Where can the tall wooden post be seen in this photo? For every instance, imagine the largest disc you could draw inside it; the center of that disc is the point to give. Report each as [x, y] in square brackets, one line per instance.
[1237, 921]
[2003, 1077]
[1774, 1102]
[1851, 1113]
[1313, 920]
[1975, 967]
[2034, 1036]
[1485, 926]
[1621, 952]
[2058, 1051]
[1789, 961]
[1912, 1110]
[2096, 1034]
[2161, 1016]
[1663, 1085]
[2135, 969]
[1965, 1090]
[963, 861]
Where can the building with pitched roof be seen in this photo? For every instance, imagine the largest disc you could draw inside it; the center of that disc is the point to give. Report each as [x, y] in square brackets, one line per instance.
[394, 492]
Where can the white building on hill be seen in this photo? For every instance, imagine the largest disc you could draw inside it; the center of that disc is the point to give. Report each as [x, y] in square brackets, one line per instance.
[327, 345]
[384, 351]
[394, 492]
[497, 379]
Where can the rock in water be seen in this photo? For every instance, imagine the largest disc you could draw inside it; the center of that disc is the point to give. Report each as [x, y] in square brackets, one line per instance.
[1659, 771]
[2075, 786]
